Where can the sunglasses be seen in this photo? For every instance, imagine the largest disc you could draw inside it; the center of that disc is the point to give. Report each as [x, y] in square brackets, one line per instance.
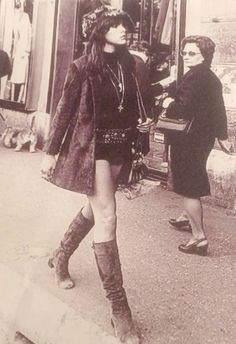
[189, 53]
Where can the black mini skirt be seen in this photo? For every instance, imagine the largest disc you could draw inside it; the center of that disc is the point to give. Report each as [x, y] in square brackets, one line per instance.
[114, 145]
[116, 154]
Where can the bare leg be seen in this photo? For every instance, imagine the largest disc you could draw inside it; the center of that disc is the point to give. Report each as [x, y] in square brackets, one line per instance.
[114, 171]
[103, 201]
[87, 211]
[193, 208]
[106, 250]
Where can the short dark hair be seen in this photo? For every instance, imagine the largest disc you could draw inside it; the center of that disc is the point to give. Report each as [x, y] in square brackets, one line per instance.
[205, 45]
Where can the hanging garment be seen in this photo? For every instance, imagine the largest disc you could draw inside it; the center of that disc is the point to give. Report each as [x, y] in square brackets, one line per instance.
[22, 47]
[168, 25]
[161, 20]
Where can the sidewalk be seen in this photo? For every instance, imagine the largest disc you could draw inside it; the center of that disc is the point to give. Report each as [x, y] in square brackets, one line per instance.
[175, 298]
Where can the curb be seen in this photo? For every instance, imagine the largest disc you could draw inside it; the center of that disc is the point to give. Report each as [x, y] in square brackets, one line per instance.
[43, 318]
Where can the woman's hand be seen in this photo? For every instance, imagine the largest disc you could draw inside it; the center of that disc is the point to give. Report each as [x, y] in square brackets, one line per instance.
[48, 166]
[144, 127]
[166, 102]
[165, 83]
[226, 146]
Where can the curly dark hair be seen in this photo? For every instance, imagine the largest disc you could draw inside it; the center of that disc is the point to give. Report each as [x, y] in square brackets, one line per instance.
[205, 45]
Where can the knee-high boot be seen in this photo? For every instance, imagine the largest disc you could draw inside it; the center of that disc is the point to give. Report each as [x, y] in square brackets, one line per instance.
[76, 232]
[108, 263]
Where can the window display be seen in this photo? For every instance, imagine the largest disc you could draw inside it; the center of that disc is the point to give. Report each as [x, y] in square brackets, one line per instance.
[16, 42]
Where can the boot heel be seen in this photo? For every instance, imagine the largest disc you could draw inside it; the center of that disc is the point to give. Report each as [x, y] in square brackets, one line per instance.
[50, 263]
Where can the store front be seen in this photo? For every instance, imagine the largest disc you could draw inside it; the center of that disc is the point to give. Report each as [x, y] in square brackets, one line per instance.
[46, 35]
[27, 39]
[40, 38]
[26, 36]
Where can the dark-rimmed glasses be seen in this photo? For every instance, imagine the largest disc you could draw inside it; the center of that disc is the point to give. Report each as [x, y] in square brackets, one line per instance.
[189, 53]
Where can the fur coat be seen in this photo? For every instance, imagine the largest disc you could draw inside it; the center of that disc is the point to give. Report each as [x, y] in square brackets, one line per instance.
[72, 131]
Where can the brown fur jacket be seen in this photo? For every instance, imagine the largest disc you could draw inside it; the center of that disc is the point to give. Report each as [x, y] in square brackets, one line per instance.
[73, 126]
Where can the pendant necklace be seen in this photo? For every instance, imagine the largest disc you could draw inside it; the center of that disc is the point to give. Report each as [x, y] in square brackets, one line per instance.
[120, 90]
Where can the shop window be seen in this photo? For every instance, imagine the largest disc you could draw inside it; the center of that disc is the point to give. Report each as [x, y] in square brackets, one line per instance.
[155, 30]
[26, 36]
[16, 42]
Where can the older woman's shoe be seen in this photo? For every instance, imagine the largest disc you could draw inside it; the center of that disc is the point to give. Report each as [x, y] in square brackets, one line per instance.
[181, 225]
[195, 247]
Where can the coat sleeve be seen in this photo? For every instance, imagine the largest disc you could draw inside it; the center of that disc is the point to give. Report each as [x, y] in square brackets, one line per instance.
[65, 110]
[221, 131]
[199, 95]
[142, 74]
[185, 98]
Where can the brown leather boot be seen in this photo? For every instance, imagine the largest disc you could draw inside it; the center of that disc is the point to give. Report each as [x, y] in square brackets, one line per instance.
[108, 263]
[76, 232]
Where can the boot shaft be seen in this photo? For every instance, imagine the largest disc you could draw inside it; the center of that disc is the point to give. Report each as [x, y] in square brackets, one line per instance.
[76, 232]
[78, 229]
[109, 268]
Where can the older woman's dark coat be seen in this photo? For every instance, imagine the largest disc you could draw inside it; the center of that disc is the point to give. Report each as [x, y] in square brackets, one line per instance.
[72, 132]
[198, 96]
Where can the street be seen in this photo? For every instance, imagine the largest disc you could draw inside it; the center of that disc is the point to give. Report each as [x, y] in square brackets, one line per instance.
[175, 298]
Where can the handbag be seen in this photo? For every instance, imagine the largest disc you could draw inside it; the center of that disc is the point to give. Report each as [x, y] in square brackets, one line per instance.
[180, 125]
[140, 145]
[138, 170]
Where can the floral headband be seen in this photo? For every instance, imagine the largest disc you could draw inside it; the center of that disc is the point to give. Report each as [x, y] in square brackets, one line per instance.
[90, 19]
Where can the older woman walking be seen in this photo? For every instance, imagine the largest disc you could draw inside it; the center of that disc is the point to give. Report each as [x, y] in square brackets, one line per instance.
[199, 97]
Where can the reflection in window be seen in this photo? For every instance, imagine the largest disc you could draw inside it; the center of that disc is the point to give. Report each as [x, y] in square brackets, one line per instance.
[15, 42]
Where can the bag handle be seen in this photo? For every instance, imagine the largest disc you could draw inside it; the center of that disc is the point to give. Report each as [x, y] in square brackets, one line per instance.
[142, 110]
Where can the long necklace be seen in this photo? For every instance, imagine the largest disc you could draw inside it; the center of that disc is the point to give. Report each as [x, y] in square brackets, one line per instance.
[120, 91]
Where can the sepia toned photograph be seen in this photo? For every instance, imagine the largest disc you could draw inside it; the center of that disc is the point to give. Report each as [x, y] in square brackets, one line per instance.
[117, 171]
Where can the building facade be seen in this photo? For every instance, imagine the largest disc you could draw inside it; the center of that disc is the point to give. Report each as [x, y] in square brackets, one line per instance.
[42, 37]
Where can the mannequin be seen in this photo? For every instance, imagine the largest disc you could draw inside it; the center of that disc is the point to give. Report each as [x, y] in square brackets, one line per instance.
[21, 50]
